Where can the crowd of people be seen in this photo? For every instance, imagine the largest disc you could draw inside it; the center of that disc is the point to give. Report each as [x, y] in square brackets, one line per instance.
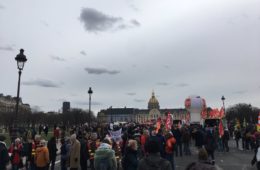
[140, 147]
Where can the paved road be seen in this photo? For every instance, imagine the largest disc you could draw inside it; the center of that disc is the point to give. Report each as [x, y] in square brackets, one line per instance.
[233, 160]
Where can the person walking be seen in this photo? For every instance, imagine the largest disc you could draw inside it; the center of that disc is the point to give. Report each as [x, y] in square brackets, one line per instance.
[42, 156]
[225, 140]
[186, 141]
[237, 136]
[74, 153]
[15, 151]
[104, 157]
[52, 151]
[169, 148]
[84, 154]
[153, 161]
[210, 145]
[4, 157]
[177, 135]
[130, 161]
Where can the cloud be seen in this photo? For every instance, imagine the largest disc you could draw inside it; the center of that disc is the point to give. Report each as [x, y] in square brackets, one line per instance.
[6, 48]
[182, 85]
[166, 66]
[131, 94]
[96, 21]
[135, 22]
[57, 58]
[139, 100]
[83, 53]
[2, 7]
[163, 84]
[41, 83]
[99, 71]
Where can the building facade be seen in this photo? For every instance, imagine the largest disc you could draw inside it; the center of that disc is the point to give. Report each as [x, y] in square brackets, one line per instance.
[152, 113]
[8, 104]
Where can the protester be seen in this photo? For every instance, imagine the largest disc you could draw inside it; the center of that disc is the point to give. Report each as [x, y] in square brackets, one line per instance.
[130, 161]
[93, 145]
[256, 158]
[177, 135]
[52, 151]
[15, 151]
[153, 161]
[3, 154]
[74, 153]
[104, 157]
[169, 148]
[237, 136]
[42, 156]
[63, 154]
[186, 141]
[225, 140]
[210, 145]
[84, 154]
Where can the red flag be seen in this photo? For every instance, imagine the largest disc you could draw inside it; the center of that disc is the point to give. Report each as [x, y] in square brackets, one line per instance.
[221, 113]
[220, 128]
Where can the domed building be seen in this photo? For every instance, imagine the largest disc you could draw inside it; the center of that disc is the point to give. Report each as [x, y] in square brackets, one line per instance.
[151, 114]
[153, 102]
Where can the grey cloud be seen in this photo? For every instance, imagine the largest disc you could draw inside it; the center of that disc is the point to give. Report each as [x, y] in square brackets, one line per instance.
[2, 7]
[57, 58]
[166, 66]
[96, 21]
[182, 85]
[131, 94]
[139, 100]
[99, 71]
[41, 83]
[6, 48]
[135, 22]
[163, 84]
[83, 53]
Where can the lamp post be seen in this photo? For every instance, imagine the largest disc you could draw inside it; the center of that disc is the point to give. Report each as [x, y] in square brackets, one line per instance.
[90, 93]
[223, 100]
[21, 59]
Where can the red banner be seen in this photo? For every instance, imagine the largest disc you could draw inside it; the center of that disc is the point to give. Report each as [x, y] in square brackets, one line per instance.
[168, 124]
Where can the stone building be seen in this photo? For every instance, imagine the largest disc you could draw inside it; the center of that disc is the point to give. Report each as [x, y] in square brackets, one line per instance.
[8, 104]
[152, 113]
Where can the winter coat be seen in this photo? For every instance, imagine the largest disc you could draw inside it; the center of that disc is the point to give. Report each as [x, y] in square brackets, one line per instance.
[75, 154]
[130, 159]
[16, 152]
[177, 135]
[105, 156]
[169, 146]
[42, 156]
[4, 157]
[154, 162]
[52, 148]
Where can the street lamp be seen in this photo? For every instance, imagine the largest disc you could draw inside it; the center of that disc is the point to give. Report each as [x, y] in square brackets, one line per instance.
[21, 59]
[90, 93]
[223, 100]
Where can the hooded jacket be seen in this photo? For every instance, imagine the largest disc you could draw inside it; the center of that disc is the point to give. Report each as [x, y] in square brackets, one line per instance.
[42, 156]
[154, 162]
[104, 152]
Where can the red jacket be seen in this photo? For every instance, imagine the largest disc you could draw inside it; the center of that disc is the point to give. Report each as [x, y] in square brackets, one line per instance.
[170, 145]
[15, 152]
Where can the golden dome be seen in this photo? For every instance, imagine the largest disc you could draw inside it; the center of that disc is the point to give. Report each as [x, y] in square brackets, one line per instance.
[153, 102]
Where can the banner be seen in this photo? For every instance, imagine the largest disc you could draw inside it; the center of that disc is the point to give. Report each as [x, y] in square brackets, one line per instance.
[116, 135]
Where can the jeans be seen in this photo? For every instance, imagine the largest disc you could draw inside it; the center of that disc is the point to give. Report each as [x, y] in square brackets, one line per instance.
[186, 148]
[170, 157]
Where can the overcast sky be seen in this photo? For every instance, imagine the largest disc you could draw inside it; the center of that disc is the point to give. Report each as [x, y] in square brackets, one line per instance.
[125, 49]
